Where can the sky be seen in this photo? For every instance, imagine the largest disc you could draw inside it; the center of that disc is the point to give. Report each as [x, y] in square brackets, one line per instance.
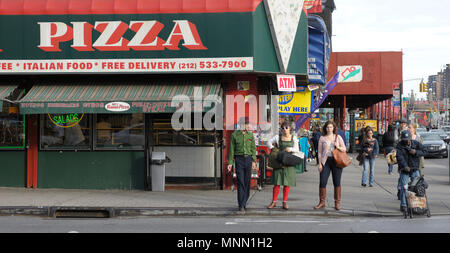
[421, 29]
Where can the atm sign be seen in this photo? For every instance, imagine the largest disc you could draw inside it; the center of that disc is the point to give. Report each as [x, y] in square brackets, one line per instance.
[286, 83]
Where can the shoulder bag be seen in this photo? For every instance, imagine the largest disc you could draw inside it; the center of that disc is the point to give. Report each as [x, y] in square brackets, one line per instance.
[341, 158]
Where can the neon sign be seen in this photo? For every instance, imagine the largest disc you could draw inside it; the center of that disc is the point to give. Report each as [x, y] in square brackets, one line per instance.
[66, 120]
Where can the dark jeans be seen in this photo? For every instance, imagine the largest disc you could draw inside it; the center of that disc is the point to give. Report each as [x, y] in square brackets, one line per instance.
[243, 165]
[330, 167]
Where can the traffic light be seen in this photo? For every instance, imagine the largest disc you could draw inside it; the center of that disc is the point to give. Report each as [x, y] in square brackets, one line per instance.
[425, 87]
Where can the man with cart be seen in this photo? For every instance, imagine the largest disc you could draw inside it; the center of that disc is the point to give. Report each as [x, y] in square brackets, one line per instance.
[408, 157]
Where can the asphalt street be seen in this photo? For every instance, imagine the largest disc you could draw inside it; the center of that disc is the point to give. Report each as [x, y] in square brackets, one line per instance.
[22, 224]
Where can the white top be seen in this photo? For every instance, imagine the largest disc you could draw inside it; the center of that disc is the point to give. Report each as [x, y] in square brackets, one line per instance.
[276, 139]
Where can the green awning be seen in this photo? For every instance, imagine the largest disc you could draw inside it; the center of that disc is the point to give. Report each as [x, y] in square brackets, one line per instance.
[5, 91]
[112, 98]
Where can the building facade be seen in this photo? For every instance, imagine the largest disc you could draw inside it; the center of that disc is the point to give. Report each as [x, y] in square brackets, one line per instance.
[88, 87]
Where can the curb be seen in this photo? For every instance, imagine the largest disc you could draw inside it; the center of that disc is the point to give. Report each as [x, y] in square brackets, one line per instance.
[115, 212]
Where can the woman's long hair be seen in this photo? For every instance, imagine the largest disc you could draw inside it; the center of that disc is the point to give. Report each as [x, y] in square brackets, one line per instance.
[324, 128]
[366, 132]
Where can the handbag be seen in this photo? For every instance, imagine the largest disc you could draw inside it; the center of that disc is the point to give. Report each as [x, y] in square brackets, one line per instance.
[341, 158]
[288, 159]
[391, 158]
[273, 162]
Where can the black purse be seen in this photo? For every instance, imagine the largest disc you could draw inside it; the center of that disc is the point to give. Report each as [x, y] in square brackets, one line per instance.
[288, 159]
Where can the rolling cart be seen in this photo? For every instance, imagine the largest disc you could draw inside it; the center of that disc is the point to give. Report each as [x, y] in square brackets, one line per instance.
[416, 198]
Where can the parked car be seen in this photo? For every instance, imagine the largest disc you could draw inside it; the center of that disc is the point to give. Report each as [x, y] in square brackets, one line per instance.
[446, 129]
[421, 130]
[444, 136]
[435, 146]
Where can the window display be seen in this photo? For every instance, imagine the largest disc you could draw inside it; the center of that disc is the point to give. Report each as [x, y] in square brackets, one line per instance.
[119, 131]
[65, 131]
[12, 128]
[165, 135]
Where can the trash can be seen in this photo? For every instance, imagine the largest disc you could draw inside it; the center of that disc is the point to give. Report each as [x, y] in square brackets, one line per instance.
[159, 159]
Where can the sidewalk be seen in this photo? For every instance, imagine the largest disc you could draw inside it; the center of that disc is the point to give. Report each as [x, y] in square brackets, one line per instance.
[380, 200]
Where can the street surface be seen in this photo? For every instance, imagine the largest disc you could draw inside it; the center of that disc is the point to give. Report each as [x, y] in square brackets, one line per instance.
[17, 224]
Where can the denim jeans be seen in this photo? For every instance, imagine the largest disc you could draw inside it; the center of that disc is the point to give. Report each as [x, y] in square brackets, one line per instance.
[390, 166]
[404, 180]
[368, 162]
[330, 167]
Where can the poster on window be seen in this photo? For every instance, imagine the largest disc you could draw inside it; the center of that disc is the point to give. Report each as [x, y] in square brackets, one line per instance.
[362, 123]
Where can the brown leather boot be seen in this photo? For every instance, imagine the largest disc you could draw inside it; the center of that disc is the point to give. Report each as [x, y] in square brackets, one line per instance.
[272, 205]
[322, 198]
[337, 197]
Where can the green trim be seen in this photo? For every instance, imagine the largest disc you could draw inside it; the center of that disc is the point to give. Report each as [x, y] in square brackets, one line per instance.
[265, 56]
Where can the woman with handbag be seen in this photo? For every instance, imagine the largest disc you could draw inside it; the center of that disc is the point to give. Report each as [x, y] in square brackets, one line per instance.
[370, 150]
[285, 175]
[329, 141]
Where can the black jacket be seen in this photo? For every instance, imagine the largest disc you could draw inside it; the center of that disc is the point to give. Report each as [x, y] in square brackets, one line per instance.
[407, 160]
[389, 139]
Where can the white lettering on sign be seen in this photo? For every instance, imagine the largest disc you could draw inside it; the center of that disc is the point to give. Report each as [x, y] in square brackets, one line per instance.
[111, 36]
[286, 83]
[146, 37]
[52, 33]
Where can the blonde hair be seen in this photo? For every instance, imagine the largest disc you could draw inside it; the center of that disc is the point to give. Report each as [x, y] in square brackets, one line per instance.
[414, 126]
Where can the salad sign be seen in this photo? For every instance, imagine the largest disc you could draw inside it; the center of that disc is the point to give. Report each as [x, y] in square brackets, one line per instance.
[66, 120]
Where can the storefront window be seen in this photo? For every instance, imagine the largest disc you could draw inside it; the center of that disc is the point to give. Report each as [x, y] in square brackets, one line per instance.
[12, 129]
[65, 131]
[164, 135]
[119, 131]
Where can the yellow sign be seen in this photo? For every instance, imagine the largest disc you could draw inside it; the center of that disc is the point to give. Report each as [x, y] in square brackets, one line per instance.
[361, 123]
[295, 103]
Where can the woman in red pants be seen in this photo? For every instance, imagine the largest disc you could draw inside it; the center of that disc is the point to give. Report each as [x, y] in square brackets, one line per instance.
[286, 175]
